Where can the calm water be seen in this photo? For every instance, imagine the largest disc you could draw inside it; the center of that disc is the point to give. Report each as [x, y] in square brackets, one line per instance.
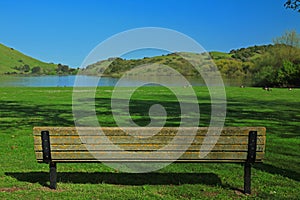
[54, 81]
[68, 81]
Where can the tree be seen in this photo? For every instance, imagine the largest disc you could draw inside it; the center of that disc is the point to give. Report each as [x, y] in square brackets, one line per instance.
[36, 70]
[280, 66]
[265, 76]
[287, 47]
[288, 74]
[62, 68]
[293, 4]
[25, 68]
[290, 38]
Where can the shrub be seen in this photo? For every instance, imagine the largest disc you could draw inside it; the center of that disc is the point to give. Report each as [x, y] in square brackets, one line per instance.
[36, 70]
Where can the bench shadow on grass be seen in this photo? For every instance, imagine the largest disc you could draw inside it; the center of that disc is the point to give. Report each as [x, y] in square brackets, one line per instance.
[119, 178]
[276, 170]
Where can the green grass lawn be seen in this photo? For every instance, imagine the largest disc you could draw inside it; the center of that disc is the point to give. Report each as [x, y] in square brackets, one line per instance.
[21, 177]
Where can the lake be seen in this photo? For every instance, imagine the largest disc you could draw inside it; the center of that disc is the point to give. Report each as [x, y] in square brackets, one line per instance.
[86, 81]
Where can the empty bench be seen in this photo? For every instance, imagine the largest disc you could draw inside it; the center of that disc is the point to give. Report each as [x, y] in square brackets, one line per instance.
[70, 144]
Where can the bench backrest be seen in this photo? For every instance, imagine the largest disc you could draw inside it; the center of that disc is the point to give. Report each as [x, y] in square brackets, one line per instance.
[65, 144]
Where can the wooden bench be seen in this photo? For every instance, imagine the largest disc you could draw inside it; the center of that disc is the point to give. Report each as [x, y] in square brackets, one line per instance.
[234, 145]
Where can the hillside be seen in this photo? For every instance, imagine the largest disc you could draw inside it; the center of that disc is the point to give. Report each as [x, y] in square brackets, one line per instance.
[118, 66]
[275, 65]
[15, 62]
[237, 62]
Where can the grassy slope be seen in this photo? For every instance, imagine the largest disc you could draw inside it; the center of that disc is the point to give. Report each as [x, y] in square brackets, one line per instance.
[241, 60]
[21, 177]
[10, 58]
[220, 55]
[119, 66]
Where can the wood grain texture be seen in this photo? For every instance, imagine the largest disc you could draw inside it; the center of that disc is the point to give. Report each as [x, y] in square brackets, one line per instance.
[172, 131]
[88, 144]
[56, 156]
[147, 147]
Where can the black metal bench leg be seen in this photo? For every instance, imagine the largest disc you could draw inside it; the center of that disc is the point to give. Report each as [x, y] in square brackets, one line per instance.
[53, 175]
[247, 178]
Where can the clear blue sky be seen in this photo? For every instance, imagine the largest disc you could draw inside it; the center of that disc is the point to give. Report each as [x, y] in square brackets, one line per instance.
[65, 31]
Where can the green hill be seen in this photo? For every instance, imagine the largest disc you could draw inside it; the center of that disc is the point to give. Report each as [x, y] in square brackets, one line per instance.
[152, 65]
[237, 62]
[275, 65]
[15, 62]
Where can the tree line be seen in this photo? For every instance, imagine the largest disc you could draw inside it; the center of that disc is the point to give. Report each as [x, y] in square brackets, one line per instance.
[274, 65]
[41, 70]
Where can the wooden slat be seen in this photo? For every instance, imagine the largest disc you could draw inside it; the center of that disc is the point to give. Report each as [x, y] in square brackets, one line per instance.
[153, 161]
[147, 147]
[153, 140]
[67, 146]
[145, 131]
[146, 155]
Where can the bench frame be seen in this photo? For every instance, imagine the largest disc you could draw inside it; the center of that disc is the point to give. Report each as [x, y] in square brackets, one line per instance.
[251, 157]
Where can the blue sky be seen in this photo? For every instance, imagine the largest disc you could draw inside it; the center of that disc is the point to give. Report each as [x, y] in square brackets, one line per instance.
[65, 31]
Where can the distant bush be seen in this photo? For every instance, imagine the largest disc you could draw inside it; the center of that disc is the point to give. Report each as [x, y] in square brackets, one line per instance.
[25, 68]
[62, 69]
[36, 70]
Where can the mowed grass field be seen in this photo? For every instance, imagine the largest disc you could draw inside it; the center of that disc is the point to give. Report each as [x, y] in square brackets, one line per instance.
[21, 177]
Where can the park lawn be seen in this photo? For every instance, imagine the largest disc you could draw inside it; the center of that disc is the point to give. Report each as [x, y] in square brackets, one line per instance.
[22, 177]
